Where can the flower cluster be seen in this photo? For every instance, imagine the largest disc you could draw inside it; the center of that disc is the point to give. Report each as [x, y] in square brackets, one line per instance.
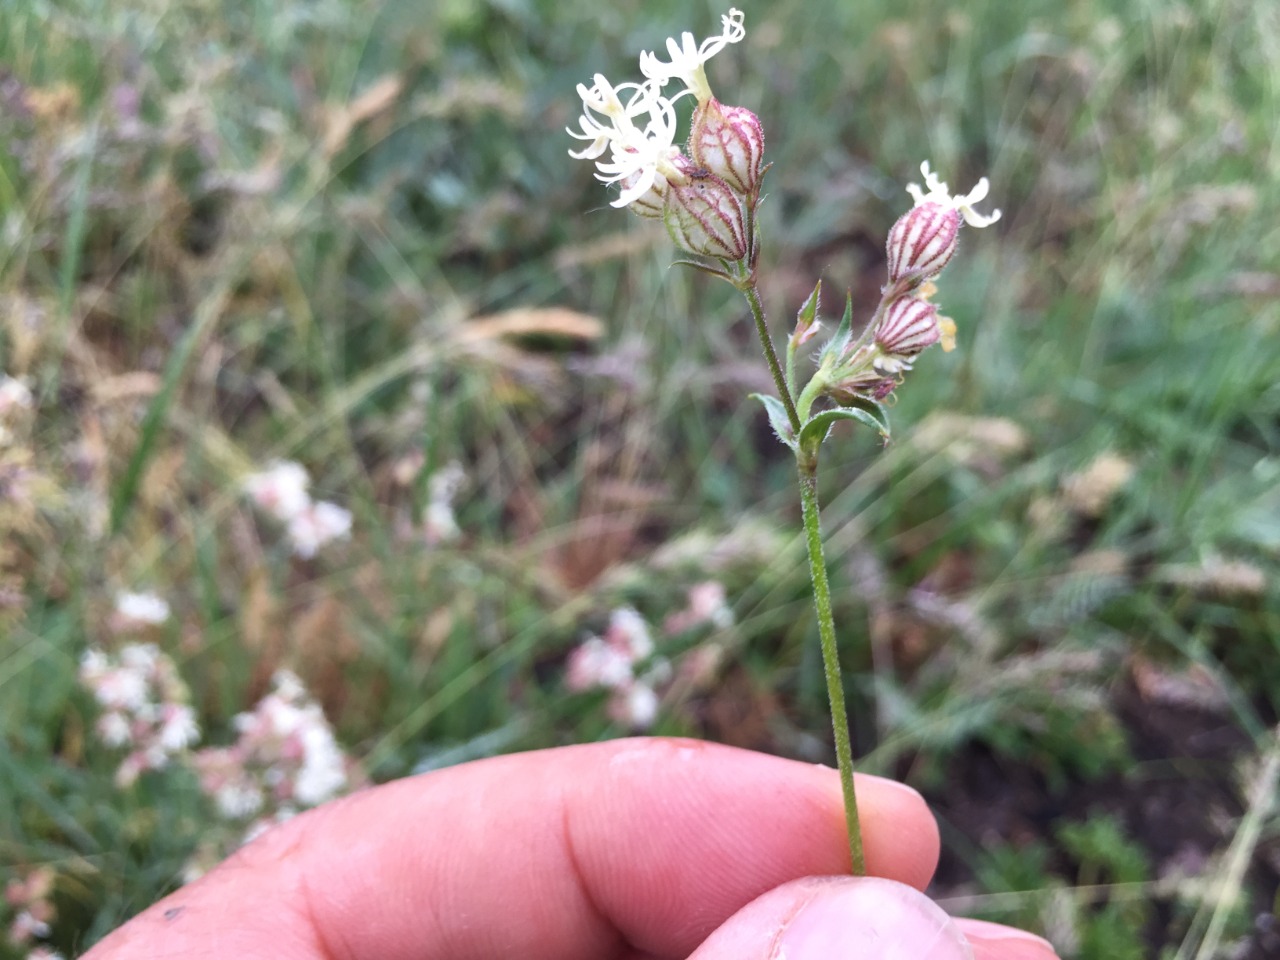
[920, 244]
[706, 194]
[285, 758]
[610, 662]
[145, 707]
[31, 900]
[282, 491]
[707, 606]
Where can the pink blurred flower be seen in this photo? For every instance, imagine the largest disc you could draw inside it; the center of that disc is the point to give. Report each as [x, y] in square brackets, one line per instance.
[318, 524]
[280, 490]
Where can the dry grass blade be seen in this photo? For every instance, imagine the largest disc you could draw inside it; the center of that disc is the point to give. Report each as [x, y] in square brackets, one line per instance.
[533, 322]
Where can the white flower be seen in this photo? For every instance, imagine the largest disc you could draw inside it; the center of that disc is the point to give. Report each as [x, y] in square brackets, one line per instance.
[638, 154]
[595, 663]
[317, 525]
[939, 194]
[114, 729]
[121, 689]
[26, 927]
[142, 609]
[324, 771]
[630, 634]
[14, 395]
[93, 665]
[237, 799]
[280, 490]
[179, 729]
[142, 657]
[635, 707]
[289, 686]
[688, 57]
[276, 716]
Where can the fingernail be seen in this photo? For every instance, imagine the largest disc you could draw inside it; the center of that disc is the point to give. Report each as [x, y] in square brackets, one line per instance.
[981, 934]
[870, 919]
[884, 783]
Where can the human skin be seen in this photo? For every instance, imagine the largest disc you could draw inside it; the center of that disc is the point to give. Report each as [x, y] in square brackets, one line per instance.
[643, 848]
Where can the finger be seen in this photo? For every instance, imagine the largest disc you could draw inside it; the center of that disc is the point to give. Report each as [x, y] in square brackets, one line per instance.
[581, 852]
[834, 918]
[994, 941]
[838, 918]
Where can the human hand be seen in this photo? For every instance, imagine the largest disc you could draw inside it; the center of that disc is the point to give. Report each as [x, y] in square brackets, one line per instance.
[628, 849]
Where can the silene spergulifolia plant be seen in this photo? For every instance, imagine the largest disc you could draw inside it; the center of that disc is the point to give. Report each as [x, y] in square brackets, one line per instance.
[707, 195]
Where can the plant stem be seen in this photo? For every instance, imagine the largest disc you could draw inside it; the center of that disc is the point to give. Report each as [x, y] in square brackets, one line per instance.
[808, 464]
[748, 288]
[808, 467]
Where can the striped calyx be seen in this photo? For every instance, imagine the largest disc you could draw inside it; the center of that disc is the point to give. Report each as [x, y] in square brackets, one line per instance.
[729, 142]
[908, 326]
[705, 216]
[651, 203]
[921, 242]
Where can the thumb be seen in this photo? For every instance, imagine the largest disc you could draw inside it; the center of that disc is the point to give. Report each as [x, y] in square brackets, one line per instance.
[831, 918]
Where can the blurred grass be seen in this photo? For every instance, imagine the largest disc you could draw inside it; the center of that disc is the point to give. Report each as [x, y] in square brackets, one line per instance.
[239, 233]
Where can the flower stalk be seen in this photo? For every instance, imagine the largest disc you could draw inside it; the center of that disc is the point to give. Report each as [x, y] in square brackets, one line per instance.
[808, 469]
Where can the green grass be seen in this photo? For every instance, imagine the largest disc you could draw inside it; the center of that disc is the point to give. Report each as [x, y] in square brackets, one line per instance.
[294, 270]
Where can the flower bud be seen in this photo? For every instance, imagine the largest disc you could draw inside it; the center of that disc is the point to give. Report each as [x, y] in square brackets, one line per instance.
[921, 242]
[729, 142]
[861, 386]
[705, 216]
[909, 325]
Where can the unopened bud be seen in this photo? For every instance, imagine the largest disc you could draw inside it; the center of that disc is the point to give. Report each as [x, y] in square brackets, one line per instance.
[705, 216]
[921, 242]
[729, 142]
[860, 386]
[909, 325]
[807, 322]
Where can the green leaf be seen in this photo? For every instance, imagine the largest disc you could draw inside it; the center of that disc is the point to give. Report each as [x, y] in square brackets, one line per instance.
[809, 311]
[844, 333]
[777, 418]
[867, 412]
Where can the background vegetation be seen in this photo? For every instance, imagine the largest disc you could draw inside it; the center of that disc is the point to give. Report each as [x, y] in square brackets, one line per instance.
[234, 233]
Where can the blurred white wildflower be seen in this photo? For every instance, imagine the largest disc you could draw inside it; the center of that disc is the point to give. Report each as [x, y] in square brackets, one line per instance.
[595, 663]
[15, 401]
[688, 58]
[707, 605]
[145, 707]
[284, 758]
[26, 927]
[15, 396]
[439, 523]
[135, 610]
[610, 663]
[281, 490]
[30, 897]
[317, 524]
[629, 633]
[635, 707]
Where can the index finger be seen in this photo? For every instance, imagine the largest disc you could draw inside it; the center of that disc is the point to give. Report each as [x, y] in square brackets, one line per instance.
[580, 852]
